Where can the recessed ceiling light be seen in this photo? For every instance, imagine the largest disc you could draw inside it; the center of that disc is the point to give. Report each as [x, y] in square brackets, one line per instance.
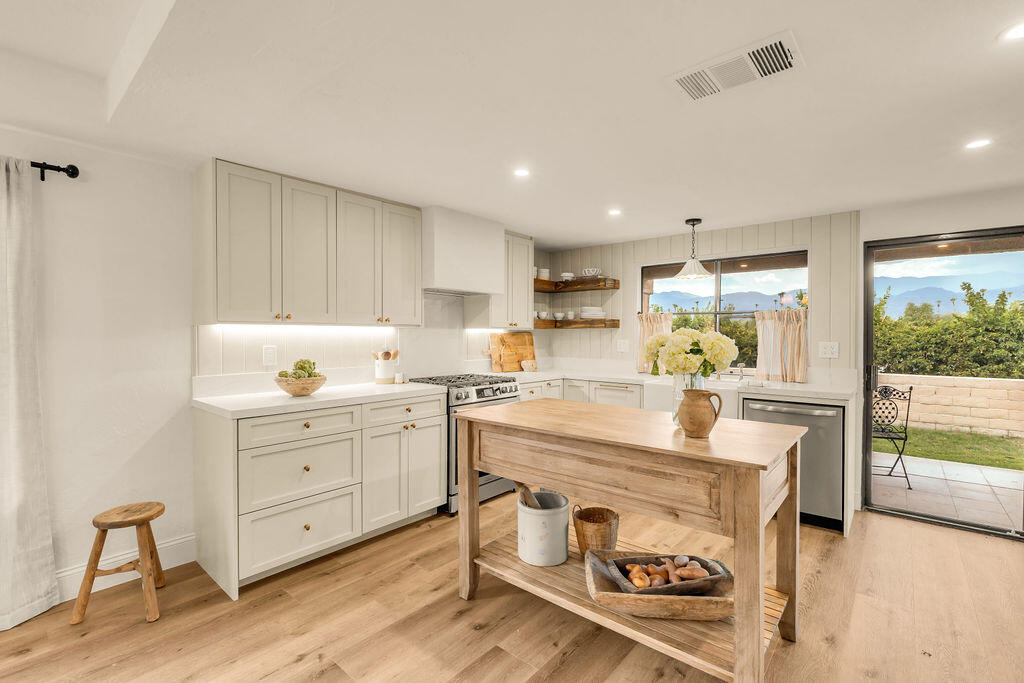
[521, 172]
[975, 144]
[614, 212]
[1015, 33]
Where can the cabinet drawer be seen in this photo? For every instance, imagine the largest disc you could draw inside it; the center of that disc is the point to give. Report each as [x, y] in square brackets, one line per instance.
[616, 394]
[273, 429]
[389, 412]
[280, 534]
[285, 472]
[531, 391]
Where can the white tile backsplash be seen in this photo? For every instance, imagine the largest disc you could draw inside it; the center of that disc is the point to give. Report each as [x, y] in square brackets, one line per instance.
[441, 346]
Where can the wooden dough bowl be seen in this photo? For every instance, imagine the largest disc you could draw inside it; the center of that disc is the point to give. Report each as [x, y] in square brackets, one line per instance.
[716, 603]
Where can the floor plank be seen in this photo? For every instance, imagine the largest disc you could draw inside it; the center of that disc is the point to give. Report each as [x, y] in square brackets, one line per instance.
[897, 600]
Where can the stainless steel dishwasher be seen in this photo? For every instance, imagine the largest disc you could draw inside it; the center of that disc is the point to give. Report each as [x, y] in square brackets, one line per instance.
[821, 455]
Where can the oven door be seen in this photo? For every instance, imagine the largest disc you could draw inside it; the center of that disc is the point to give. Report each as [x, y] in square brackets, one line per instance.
[453, 438]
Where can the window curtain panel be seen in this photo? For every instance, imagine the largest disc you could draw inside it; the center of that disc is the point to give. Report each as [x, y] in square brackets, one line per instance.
[782, 345]
[650, 324]
[28, 580]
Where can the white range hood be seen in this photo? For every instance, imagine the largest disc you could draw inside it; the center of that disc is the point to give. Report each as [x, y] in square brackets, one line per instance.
[462, 253]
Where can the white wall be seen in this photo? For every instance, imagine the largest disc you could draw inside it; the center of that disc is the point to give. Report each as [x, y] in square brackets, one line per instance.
[954, 213]
[115, 308]
[830, 240]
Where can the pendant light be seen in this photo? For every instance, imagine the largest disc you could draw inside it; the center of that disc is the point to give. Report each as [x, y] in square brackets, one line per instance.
[692, 269]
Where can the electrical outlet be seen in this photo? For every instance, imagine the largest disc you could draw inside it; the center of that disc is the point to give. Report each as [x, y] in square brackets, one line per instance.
[269, 354]
[622, 345]
[829, 349]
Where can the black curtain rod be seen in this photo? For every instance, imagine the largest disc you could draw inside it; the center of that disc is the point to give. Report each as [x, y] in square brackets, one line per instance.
[71, 170]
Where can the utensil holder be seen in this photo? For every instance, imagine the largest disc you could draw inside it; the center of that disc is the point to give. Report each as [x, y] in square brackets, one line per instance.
[544, 533]
[384, 371]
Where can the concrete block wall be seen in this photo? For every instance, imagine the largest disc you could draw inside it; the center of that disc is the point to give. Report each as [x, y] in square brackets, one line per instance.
[966, 404]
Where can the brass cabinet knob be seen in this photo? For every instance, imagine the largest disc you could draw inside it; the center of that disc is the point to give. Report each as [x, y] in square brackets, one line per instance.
[380, 320]
[306, 468]
[289, 316]
[306, 527]
[405, 426]
[278, 316]
[307, 425]
[549, 384]
[408, 410]
[413, 425]
[531, 391]
[387, 320]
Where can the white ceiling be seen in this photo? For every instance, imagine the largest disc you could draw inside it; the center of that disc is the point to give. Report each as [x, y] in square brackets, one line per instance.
[84, 35]
[437, 102]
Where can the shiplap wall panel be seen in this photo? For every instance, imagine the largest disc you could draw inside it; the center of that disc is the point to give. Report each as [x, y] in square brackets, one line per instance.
[831, 281]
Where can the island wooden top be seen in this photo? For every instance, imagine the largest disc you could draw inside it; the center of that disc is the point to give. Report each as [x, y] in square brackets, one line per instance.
[740, 443]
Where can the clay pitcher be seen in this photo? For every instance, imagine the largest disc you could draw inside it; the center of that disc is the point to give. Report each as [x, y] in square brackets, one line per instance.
[697, 415]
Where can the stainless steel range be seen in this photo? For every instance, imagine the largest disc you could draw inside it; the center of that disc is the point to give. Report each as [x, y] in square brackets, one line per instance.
[465, 391]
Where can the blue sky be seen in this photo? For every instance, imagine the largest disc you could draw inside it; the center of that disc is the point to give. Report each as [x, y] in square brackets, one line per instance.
[966, 264]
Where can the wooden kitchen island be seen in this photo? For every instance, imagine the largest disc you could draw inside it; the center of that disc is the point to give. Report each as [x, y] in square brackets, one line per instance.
[729, 484]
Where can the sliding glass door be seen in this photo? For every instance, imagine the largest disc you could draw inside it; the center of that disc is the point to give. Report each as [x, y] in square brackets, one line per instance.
[944, 388]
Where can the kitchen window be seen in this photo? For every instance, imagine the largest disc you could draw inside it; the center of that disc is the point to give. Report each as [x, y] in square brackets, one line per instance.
[727, 302]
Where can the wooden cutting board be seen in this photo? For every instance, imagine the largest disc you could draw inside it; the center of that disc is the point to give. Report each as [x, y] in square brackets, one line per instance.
[510, 349]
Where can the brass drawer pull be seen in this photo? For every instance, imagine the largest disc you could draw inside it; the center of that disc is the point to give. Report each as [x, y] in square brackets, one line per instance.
[413, 425]
[306, 468]
[307, 425]
[408, 409]
[306, 527]
[405, 426]
[278, 316]
[289, 316]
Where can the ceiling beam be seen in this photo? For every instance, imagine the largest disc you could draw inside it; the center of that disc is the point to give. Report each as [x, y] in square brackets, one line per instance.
[143, 33]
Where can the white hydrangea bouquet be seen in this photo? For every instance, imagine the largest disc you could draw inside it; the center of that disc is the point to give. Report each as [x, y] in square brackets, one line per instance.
[690, 353]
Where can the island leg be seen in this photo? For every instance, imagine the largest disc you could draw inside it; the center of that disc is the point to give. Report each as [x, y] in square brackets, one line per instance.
[469, 514]
[748, 595]
[787, 546]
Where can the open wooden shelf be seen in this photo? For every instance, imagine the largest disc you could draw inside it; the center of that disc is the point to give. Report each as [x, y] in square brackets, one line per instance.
[704, 645]
[581, 284]
[575, 324]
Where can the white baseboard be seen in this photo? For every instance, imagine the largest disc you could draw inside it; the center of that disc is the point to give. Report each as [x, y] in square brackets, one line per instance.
[173, 552]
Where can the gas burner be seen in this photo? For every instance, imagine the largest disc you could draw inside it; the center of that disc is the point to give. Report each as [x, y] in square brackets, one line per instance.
[468, 380]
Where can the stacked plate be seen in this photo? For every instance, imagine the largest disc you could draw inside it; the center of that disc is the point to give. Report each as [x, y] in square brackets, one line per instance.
[591, 313]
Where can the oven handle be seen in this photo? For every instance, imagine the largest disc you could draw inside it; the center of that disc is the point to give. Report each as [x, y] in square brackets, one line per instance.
[480, 404]
[792, 411]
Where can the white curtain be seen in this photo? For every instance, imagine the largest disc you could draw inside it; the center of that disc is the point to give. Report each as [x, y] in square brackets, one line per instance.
[28, 581]
[782, 345]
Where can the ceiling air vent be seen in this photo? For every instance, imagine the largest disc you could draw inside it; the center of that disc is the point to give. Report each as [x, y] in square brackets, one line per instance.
[751, 63]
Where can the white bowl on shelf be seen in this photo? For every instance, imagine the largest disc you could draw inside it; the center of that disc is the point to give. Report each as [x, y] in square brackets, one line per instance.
[591, 272]
[559, 316]
[568, 276]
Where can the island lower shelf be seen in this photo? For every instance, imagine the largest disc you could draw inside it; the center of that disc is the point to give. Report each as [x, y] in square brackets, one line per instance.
[704, 645]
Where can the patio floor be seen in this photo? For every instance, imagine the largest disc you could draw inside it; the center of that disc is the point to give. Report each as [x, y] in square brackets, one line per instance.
[974, 494]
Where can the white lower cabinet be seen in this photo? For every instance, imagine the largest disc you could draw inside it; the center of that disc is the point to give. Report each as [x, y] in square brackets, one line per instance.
[385, 459]
[404, 470]
[428, 464]
[616, 394]
[274, 536]
[546, 389]
[576, 390]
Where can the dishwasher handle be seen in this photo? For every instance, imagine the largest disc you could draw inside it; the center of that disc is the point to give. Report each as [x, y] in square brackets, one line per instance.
[812, 412]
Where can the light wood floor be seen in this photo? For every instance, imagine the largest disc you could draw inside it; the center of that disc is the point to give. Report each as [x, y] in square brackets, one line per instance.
[898, 600]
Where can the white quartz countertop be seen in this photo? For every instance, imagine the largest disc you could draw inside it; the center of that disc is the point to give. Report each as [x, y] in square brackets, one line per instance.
[277, 402]
[547, 375]
[835, 390]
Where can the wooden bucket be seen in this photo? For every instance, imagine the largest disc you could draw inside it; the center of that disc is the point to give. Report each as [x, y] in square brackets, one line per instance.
[596, 528]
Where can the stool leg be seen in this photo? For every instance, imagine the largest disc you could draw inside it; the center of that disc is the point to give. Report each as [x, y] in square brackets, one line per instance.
[158, 570]
[147, 570]
[78, 613]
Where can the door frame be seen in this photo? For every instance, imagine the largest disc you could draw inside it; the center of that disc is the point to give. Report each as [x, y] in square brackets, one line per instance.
[868, 357]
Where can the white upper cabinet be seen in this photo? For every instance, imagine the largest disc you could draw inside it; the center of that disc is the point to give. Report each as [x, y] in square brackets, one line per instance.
[520, 281]
[273, 249]
[309, 252]
[402, 282]
[248, 226]
[514, 308]
[359, 259]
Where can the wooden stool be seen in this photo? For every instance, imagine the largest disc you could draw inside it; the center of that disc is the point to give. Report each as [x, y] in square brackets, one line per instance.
[138, 515]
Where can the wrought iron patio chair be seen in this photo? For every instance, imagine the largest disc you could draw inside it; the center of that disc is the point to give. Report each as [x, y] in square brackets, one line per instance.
[886, 423]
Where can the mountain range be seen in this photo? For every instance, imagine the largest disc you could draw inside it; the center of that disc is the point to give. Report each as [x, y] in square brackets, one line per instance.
[904, 290]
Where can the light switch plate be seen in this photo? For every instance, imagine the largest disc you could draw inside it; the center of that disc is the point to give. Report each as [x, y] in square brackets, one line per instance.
[269, 354]
[622, 345]
[828, 349]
